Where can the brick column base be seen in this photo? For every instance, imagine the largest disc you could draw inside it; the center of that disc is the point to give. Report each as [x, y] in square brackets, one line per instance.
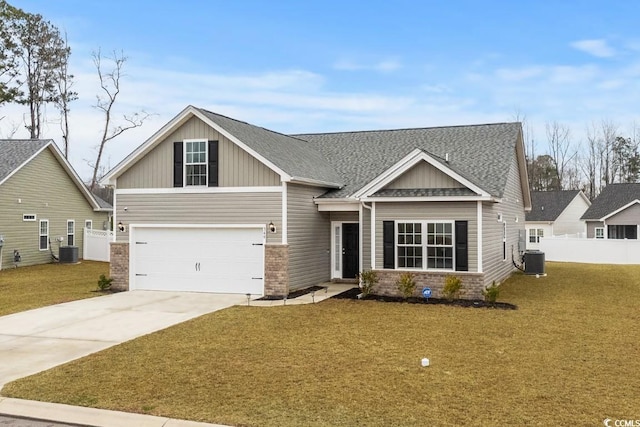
[472, 283]
[119, 266]
[276, 270]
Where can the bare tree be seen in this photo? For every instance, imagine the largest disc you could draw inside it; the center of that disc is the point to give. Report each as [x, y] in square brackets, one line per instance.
[561, 150]
[110, 85]
[66, 95]
[608, 168]
[591, 162]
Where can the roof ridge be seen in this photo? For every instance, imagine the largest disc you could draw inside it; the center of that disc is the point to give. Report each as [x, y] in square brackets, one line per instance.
[405, 129]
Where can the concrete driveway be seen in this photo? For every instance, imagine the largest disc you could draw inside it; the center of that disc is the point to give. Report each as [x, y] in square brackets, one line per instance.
[36, 340]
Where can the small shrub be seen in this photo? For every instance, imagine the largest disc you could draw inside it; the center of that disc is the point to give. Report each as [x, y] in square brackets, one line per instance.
[491, 293]
[367, 280]
[452, 286]
[406, 284]
[104, 283]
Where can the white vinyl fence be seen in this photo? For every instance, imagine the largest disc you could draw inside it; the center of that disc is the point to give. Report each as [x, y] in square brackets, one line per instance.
[591, 251]
[96, 244]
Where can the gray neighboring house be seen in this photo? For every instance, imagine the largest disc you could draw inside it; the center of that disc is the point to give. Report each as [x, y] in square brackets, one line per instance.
[615, 213]
[555, 213]
[213, 204]
[43, 203]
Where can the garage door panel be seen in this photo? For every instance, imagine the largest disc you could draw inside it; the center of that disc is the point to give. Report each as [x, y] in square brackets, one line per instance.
[229, 260]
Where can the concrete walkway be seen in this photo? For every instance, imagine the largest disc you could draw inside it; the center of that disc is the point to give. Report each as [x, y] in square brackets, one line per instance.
[40, 339]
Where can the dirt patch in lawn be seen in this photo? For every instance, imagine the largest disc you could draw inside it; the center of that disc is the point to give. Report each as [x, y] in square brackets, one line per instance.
[354, 293]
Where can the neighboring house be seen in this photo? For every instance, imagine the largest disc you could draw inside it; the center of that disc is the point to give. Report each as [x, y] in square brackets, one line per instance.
[43, 203]
[213, 204]
[615, 213]
[555, 213]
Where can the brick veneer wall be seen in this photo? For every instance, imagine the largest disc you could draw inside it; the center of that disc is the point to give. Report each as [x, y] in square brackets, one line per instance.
[276, 270]
[472, 283]
[119, 266]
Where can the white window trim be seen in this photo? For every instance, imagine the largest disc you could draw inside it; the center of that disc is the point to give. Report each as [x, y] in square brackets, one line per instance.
[73, 231]
[43, 221]
[29, 217]
[425, 245]
[185, 164]
[595, 233]
[90, 222]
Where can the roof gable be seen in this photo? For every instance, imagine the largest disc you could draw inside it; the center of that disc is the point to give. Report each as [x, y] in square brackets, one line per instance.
[423, 175]
[407, 163]
[548, 205]
[612, 198]
[16, 153]
[294, 160]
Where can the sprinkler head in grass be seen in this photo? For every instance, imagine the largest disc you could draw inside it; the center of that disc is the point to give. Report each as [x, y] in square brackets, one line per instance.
[425, 362]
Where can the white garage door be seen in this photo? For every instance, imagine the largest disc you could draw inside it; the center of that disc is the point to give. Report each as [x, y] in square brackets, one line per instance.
[225, 260]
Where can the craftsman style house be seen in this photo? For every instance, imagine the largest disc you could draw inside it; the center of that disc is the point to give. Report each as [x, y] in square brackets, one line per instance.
[213, 204]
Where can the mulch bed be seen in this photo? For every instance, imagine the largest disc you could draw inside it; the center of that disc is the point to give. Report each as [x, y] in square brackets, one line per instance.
[354, 292]
[295, 294]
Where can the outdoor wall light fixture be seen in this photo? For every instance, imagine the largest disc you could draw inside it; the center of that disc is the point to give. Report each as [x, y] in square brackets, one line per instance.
[120, 226]
[272, 227]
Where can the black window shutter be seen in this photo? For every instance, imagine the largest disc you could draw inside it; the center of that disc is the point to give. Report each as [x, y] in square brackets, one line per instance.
[462, 257]
[213, 163]
[388, 244]
[177, 164]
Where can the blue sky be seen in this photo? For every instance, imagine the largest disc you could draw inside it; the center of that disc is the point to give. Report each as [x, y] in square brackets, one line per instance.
[313, 66]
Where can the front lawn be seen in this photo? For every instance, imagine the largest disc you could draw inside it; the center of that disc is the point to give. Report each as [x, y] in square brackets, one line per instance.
[567, 356]
[24, 288]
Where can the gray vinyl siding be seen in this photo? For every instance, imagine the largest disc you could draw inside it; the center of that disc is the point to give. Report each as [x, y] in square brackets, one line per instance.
[424, 175]
[569, 222]
[420, 211]
[208, 208]
[236, 167]
[629, 216]
[350, 216]
[309, 238]
[366, 239]
[591, 228]
[494, 265]
[45, 190]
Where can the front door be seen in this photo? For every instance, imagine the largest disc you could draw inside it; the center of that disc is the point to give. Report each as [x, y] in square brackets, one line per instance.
[350, 254]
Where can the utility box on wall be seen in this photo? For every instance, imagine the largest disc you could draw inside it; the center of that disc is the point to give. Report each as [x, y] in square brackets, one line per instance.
[68, 254]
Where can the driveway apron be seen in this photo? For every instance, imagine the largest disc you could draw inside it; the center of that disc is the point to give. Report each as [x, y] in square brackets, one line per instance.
[37, 340]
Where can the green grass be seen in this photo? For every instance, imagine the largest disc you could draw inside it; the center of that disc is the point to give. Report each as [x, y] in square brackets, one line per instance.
[25, 288]
[567, 356]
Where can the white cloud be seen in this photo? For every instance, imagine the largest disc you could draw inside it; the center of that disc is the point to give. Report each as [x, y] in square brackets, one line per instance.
[518, 74]
[383, 66]
[595, 47]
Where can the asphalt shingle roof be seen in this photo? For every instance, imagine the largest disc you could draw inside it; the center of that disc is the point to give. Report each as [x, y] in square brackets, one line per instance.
[612, 198]
[14, 152]
[298, 158]
[480, 153]
[548, 205]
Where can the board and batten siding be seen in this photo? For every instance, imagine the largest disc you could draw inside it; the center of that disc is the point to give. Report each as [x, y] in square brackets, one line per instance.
[512, 209]
[308, 236]
[421, 211]
[42, 188]
[423, 175]
[236, 167]
[569, 222]
[202, 208]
